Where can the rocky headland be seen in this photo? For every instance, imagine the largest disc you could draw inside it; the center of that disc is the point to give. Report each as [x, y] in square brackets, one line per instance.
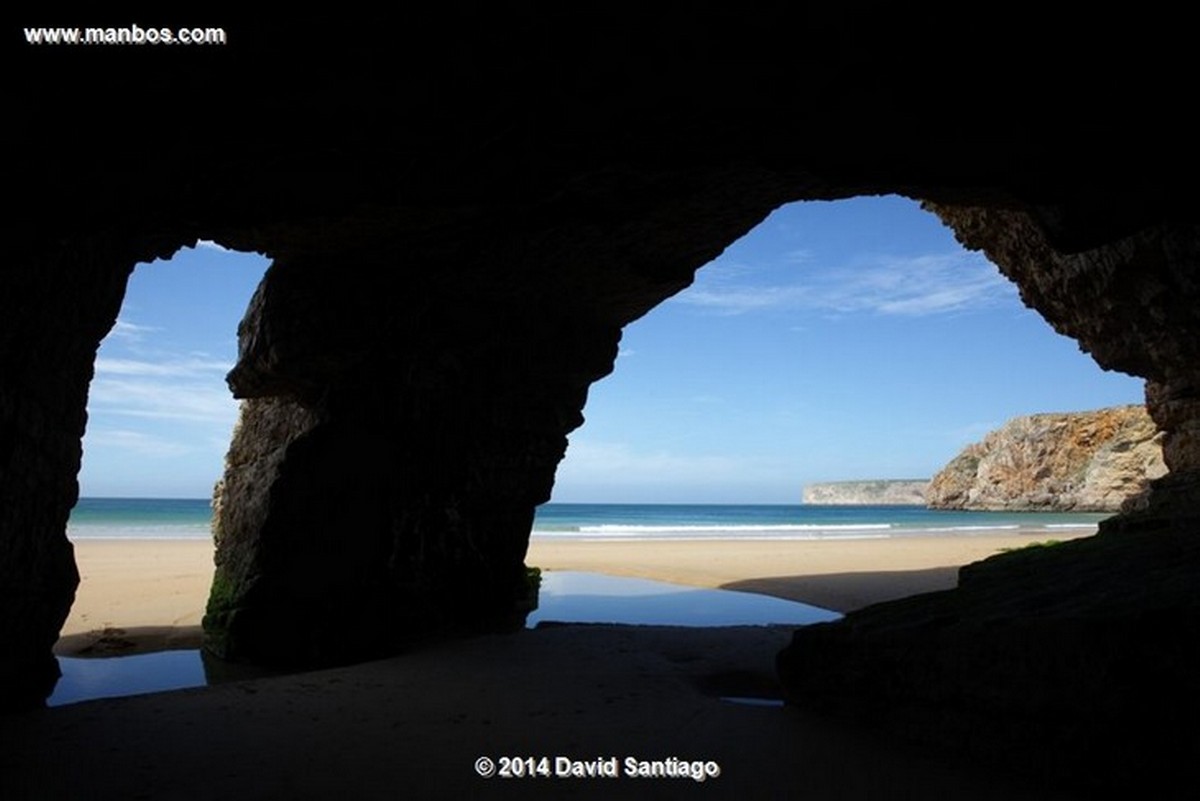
[883, 492]
[1078, 461]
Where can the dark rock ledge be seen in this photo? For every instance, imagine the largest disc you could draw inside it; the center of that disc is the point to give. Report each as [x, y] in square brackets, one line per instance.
[1072, 663]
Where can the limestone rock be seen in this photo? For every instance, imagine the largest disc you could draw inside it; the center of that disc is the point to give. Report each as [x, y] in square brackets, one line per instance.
[1129, 303]
[1082, 461]
[884, 492]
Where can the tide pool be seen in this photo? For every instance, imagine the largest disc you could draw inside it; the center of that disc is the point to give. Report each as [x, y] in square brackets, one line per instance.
[565, 597]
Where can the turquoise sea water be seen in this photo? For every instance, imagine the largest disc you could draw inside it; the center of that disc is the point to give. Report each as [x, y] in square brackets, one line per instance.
[152, 518]
[565, 596]
[784, 522]
[141, 518]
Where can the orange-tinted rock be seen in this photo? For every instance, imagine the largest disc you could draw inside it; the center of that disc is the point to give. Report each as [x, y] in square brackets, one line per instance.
[1080, 461]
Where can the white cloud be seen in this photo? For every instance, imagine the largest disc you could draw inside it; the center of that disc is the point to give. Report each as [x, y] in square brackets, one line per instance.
[902, 286]
[137, 442]
[590, 461]
[932, 284]
[739, 300]
[209, 244]
[596, 471]
[208, 401]
[132, 332]
[193, 366]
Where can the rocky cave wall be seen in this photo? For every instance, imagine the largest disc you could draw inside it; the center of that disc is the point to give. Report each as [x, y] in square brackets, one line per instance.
[1130, 303]
[457, 243]
[1072, 663]
[57, 304]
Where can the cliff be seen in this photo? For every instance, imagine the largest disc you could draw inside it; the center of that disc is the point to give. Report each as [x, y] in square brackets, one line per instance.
[885, 492]
[1083, 461]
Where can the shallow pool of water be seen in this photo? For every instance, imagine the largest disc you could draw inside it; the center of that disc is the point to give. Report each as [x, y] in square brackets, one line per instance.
[565, 597]
[571, 597]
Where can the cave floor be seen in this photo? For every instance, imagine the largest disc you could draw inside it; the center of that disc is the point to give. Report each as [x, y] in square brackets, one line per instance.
[414, 726]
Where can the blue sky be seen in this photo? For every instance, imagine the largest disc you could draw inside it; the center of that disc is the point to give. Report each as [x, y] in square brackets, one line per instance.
[836, 341]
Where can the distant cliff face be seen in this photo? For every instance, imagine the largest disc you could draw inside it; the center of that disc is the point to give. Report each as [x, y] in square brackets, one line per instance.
[867, 493]
[1083, 461]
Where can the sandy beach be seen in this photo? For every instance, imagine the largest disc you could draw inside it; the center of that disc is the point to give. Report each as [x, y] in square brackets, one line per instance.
[424, 724]
[137, 595]
[143, 595]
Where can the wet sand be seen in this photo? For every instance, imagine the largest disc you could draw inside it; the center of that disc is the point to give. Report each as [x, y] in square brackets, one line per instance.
[419, 725]
[142, 595]
[837, 574]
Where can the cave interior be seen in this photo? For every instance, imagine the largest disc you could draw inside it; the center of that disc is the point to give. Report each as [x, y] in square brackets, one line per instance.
[456, 243]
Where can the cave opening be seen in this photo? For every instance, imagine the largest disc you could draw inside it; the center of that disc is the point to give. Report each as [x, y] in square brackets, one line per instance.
[159, 423]
[841, 341]
[837, 340]
[159, 412]
[810, 351]
[616, 151]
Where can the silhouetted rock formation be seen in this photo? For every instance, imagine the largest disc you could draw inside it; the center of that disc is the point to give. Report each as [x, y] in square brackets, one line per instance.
[1077, 461]
[458, 241]
[1073, 662]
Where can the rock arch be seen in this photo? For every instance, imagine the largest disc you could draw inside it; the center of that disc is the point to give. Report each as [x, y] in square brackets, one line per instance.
[456, 245]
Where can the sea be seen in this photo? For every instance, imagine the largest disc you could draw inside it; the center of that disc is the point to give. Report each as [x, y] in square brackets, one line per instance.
[175, 518]
[564, 596]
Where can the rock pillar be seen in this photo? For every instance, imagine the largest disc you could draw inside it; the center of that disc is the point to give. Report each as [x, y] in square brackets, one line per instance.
[382, 481]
